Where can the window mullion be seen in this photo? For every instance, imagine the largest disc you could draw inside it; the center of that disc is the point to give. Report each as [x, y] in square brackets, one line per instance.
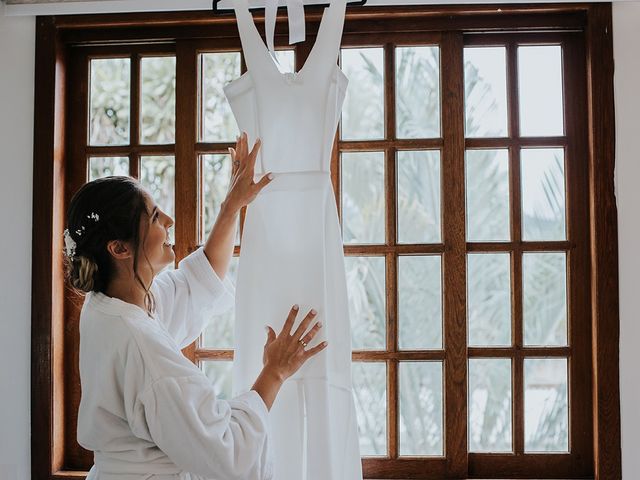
[134, 125]
[392, 346]
[187, 169]
[188, 178]
[580, 301]
[393, 384]
[454, 271]
[516, 255]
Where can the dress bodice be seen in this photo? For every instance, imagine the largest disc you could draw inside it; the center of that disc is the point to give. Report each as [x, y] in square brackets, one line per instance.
[297, 112]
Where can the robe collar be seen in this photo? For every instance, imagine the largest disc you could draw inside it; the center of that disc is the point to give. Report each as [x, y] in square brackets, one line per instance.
[111, 305]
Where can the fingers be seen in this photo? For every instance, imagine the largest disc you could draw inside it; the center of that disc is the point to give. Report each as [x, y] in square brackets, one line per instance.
[263, 182]
[253, 155]
[246, 159]
[237, 153]
[304, 324]
[271, 336]
[288, 324]
[234, 167]
[312, 351]
[241, 146]
[254, 151]
[312, 333]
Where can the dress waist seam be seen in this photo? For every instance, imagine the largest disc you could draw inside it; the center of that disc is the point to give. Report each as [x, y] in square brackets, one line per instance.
[331, 384]
[291, 181]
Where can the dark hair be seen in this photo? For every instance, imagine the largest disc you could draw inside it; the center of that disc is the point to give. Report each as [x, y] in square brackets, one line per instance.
[103, 210]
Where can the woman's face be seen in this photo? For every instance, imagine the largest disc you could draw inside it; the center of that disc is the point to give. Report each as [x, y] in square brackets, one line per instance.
[154, 229]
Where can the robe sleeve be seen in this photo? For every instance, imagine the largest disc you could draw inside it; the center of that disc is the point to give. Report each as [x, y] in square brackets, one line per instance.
[203, 435]
[187, 297]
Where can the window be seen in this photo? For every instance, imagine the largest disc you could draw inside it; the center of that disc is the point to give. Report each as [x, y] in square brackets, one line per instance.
[461, 172]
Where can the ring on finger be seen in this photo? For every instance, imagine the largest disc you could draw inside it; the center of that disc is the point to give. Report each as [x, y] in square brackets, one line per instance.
[304, 344]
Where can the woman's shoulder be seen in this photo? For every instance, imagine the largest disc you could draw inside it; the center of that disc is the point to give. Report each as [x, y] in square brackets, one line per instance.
[102, 314]
[129, 330]
[118, 325]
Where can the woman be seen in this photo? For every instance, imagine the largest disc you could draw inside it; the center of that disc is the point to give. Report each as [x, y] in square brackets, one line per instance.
[146, 411]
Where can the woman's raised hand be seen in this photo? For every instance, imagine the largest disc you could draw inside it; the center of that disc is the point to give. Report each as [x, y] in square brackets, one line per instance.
[286, 352]
[242, 188]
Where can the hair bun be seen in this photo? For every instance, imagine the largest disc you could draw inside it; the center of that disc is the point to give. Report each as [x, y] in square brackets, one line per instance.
[83, 271]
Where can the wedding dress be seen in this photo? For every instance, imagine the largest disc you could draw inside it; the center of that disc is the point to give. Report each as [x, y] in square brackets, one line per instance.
[292, 250]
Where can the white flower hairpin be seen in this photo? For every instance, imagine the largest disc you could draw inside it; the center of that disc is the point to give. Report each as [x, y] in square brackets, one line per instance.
[70, 244]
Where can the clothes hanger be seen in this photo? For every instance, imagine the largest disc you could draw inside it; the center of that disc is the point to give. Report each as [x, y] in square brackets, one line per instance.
[223, 11]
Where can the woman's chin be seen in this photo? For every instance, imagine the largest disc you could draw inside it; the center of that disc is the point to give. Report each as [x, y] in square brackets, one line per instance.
[169, 255]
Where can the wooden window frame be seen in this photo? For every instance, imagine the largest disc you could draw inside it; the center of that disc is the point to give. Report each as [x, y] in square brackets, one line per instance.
[56, 176]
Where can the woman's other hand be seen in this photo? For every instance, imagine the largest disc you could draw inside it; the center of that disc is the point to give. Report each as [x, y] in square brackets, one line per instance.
[285, 353]
[242, 188]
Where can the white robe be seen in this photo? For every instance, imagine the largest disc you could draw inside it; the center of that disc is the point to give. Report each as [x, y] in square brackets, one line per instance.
[146, 411]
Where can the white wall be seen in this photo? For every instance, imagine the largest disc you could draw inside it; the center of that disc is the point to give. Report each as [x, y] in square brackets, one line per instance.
[626, 43]
[17, 47]
[16, 125]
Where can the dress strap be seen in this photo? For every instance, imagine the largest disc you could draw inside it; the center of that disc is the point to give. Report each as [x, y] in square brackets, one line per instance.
[295, 12]
[252, 44]
[253, 47]
[324, 53]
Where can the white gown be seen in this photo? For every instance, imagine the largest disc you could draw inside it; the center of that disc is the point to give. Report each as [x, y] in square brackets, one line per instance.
[146, 411]
[292, 250]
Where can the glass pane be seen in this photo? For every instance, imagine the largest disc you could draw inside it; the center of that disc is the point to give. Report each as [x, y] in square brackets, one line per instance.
[540, 90]
[485, 88]
[487, 178]
[286, 60]
[370, 395]
[544, 287]
[158, 100]
[363, 206]
[421, 408]
[219, 372]
[418, 92]
[367, 301]
[216, 172]
[110, 101]
[218, 123]
[420, 302]
[219, 331]
[490, 405]
[546, 411]
[363, 111]
[543, 194]
[108, 166]
[419, 197]
[158, 173]
[489, 302]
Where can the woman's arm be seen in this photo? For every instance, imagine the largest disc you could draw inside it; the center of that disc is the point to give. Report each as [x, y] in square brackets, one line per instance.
[242, 191]
[180, 413]
[188, 296]
[219, 246]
